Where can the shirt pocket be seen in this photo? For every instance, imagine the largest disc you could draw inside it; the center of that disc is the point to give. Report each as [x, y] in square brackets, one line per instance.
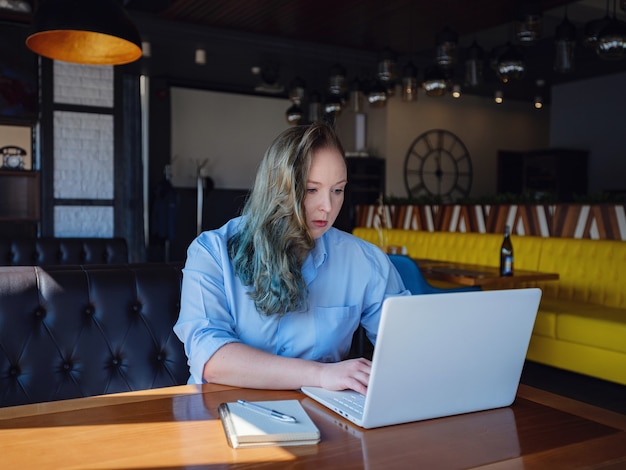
[334, 328]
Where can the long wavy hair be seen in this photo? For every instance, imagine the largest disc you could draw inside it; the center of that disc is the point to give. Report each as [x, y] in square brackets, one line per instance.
[269, 250]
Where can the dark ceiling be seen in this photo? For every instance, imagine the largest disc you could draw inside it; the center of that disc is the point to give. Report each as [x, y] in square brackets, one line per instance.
[408, 27]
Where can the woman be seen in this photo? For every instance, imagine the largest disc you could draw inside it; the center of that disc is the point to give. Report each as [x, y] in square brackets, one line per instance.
[272, 299]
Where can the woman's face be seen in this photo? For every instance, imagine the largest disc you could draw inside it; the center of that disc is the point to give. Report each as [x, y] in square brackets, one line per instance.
[325, 189]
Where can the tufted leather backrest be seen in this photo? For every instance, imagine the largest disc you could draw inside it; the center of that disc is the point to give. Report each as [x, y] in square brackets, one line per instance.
[74, 331]
[50, 251]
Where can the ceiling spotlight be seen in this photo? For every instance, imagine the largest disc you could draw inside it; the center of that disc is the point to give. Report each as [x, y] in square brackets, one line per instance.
[97, 32]
[538, 102]
[456, 91]
[409, 83]
[435, 81]
[446, 48]
[474, 65]
[528, 22]
[498, 96]
[565, 44]
[511, 65]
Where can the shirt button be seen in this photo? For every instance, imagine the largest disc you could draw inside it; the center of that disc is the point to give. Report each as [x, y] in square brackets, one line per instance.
[282, 350]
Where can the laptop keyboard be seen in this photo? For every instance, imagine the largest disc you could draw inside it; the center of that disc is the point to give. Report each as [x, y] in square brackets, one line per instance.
[353, 401]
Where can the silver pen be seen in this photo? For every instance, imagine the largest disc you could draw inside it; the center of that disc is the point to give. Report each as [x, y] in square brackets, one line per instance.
[268, 411]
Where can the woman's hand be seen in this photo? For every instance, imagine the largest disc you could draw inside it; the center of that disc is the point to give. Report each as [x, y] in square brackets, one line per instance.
[353, 374]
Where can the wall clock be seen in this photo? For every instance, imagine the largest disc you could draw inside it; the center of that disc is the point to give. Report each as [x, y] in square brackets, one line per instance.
[438, 164]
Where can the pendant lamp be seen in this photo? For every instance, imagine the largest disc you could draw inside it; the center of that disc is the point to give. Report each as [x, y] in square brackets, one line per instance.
[96, 32]
[474, 65]
[511, 64]
[409, 83]
[565, 44]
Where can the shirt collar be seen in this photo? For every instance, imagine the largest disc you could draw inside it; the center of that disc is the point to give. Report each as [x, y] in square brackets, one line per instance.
[315, 259]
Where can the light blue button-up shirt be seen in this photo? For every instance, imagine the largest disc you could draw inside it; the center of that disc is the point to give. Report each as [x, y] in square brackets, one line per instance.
[347, 277]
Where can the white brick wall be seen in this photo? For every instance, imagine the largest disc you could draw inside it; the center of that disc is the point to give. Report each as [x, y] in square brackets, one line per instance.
[83, 221]
[88, 85]
[83, 155]
[83, 150]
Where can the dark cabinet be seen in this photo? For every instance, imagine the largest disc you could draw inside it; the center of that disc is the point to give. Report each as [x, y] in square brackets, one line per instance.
[366, 184]
[19, 203]
[558, 172]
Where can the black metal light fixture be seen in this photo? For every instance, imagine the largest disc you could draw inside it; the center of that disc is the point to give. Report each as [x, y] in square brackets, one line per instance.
[315, 107]
[387, 67]
[337, 80]
[355, 96]
[377, 96]
[511, 64]
[446, 48]
[611, 43]
[529, 22]
[564, 44]
[297, 90]
[409, 83]
[435, 81]
[294, 114]
[474, 65]
[97, 32]
[593, 28]
[333, 104]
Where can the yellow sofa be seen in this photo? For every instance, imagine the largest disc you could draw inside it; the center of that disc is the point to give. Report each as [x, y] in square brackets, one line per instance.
[581, 323]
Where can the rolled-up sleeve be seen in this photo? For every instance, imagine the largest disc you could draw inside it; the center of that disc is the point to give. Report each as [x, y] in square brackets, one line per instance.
[205, 323]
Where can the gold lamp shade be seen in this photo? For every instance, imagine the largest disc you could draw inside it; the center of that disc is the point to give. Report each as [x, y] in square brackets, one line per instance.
[96, 32]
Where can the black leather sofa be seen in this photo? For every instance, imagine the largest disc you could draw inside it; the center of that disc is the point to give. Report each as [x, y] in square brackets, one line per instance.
[75, 331]
[48, 251]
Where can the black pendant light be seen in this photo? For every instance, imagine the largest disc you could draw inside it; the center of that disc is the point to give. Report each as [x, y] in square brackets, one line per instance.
[409, 83]
[315, 107]
[98, 32]
[435, 81]
[377, 96]
[294, 114]
[474, 65]
[446, 48]
[529, 22]
[355, 98]
[564, 44]
[593, 28]
[511, 64]
[611, 43]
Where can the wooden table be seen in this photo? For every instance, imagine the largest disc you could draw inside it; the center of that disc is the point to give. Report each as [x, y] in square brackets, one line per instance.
[179, 427]
[478, 275]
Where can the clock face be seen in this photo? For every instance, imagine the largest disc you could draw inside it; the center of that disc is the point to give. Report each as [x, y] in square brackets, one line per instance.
[438, 164]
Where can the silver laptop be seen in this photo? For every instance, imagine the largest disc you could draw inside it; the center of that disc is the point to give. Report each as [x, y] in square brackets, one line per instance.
[441, 355]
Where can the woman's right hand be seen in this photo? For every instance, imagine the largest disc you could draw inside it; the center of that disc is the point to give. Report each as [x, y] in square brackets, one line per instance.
[352, 374]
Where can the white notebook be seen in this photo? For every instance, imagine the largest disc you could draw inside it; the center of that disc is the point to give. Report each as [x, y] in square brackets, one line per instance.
[245, 427]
